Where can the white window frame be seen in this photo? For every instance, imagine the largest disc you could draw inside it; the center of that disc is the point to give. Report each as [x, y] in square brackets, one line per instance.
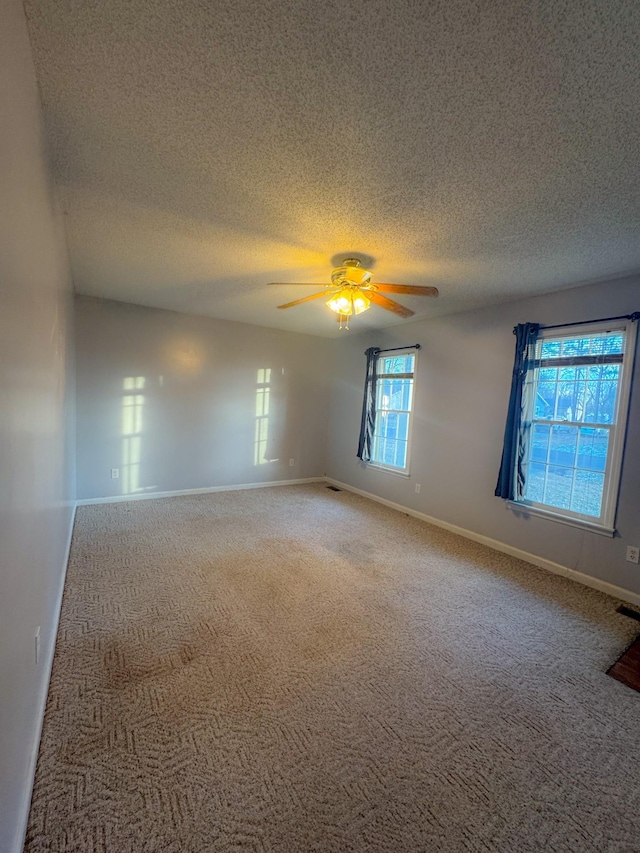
[393, 469]
[605, 524]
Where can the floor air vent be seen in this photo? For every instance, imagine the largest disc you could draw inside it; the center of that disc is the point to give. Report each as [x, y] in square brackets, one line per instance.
[627, 611]
[334, 488]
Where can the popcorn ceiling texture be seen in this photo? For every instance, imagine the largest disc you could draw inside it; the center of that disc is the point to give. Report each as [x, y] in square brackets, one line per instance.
[203, 149]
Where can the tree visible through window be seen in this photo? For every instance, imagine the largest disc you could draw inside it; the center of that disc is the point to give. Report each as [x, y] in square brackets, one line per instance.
[394, 400]
[574, 415]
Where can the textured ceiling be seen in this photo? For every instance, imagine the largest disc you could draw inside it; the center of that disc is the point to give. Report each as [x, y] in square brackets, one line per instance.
[205, 147]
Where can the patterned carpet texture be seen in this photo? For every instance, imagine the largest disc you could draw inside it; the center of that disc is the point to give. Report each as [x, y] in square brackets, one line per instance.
[294, 670]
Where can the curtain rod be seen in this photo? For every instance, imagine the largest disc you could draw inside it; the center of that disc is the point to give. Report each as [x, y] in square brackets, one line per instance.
[394, 349]
[633, 317]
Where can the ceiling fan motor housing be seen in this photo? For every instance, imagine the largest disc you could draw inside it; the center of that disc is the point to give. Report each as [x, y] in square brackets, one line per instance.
[351, 273]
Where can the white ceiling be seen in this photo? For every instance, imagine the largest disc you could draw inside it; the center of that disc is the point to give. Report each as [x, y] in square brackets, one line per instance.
[205, 147]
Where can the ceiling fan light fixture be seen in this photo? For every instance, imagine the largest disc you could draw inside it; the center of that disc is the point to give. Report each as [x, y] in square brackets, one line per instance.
[348, 301]
[361, 303]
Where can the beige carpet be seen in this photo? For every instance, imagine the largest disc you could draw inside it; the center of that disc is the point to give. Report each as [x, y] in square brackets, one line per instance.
[294, 669]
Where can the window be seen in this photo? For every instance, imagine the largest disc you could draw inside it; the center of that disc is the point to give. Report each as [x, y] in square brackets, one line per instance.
[574, 411]
[394, 400]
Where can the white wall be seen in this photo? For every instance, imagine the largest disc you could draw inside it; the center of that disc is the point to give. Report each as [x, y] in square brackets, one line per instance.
[170, 400]
[462, 389]
[36, 420]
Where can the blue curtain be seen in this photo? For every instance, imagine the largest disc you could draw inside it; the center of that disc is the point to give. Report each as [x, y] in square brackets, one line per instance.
[368, 421]
[511, 477]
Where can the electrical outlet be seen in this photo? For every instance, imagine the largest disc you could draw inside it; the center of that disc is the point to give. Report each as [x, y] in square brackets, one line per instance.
[115, 473]
[418, 488]
[37, 645]
[292, 462]
[633, 554]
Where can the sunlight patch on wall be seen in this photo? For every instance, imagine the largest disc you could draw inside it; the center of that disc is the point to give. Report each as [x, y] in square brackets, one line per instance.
[132, 425]
[263, 401]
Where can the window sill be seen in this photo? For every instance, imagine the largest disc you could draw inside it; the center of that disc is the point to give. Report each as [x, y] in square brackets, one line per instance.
[527, 509]
[397, 473]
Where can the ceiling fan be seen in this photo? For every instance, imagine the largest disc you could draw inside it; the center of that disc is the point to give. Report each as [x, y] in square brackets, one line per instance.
[351, 292]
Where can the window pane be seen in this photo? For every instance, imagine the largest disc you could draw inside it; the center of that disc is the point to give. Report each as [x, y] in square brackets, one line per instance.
[550, 348]
[397, 388]
[396, 364]
[587, 493]
[384, 394]
[599, 344]
[382, 424]
[534, 488]
[407, 395]
[400, 459]
[607, 344]
[388, 452]
[563, 445]
[570, 395]
[606, 402]
[546, 400]
[540, 442]
[591, 397]
[606, 396]
[558, 486]
[568, 374]
[570, 347]
[592, 449]
[391, 425]
[584, 346]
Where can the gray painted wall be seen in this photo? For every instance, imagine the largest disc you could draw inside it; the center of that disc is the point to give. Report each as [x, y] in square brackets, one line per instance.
[462, 389]
[36, 423]
[171, 401]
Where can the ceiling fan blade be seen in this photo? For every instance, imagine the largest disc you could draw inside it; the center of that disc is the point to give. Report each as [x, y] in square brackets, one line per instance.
[389, 304]
[308, 298]
[295, 284]
[408, 288]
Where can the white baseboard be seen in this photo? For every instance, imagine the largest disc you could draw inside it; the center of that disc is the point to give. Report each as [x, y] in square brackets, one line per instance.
[534, 559]
[49, 651]
[145, 496]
